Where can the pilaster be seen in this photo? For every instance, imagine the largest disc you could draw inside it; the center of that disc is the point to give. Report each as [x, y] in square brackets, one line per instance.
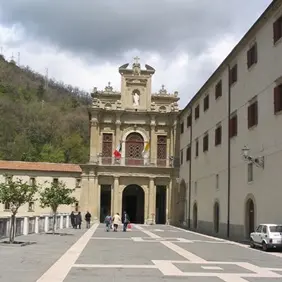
[116, 207]
[84, 196]
[153, 143]
[118, 135]
[92, 196]
[94, 140]
[168, 201]
[152, 201]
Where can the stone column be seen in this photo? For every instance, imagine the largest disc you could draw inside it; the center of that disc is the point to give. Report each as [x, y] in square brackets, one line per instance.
[94, 140]
[152, 201]
[116, 195]
[153, 143]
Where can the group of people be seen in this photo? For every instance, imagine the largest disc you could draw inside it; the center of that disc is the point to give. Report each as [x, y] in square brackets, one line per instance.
[112, 222]
[76, 219]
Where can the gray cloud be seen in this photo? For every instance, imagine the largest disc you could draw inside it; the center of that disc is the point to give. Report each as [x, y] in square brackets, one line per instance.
[107, 29]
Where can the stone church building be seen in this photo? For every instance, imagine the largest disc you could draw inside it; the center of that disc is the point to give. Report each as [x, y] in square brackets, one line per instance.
[133, 163]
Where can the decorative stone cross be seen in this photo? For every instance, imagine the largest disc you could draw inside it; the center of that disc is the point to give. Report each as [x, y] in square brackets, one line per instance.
[136, 60]
[109, 84]
[163, 87]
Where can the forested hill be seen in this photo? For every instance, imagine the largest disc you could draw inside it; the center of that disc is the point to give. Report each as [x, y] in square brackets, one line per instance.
[39, 123]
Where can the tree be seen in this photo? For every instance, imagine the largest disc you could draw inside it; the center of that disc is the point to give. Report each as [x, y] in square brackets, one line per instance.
[16, 193]
[54, 196]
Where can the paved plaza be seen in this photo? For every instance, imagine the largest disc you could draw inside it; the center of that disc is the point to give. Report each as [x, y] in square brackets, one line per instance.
[146, 253]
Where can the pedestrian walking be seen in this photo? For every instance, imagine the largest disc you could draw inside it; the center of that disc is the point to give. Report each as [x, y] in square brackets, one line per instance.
[125, 220]
[116, 221]
[78, 220]
[87, 219]
[108, 222]
[72, 218]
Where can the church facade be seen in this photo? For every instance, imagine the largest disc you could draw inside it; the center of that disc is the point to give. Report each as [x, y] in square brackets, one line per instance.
[133, 163]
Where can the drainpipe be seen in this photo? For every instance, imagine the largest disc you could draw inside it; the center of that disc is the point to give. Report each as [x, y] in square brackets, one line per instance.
[228, 155]
[190, 170]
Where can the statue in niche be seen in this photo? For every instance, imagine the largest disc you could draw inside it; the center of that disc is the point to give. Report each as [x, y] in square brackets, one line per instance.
[136, 99]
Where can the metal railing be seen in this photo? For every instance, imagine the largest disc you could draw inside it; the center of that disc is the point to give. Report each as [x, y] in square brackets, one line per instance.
[143, 162]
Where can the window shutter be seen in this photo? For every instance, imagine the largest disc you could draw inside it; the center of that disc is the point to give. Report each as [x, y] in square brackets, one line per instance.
[249, 116]
[235, 73]
[230, 128]
[276, 31]
[235, 125]
[255, 53]
[249, 58]
[256, 113]
[277, 99]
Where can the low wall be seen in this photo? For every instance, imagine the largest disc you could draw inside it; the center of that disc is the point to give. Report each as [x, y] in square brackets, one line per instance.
[33, 224]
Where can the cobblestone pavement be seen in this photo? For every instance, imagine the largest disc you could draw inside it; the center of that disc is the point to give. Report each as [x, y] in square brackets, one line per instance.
[154, 253]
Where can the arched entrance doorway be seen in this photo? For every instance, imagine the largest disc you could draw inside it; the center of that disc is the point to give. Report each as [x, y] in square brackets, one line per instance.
[250, 217]
[134, 146]
[133, 203]
[216, 217]
[195, 216]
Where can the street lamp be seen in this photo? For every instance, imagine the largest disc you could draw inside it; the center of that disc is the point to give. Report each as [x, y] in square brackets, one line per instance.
[258, 161]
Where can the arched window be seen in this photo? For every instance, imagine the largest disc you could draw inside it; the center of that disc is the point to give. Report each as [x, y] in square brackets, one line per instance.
[134, 146]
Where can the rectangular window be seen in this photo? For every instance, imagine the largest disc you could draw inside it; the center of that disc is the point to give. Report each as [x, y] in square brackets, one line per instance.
[217, 181]
[7, 206]
[218, 135]
[31, 206]
[181, 127]
[55, 181]
[206, 143]
[233, 124]
[253, 114]
[181, 157]
[161, 150]
[278, 98]
[32, 181]
[250, 172]
[197, 112]
[218, 90]
[189, 120]
[197, 148]
[195, 187]
[206, 103]
[252, 55]
[107, 148]
[233, 76]
[76, 206]
[277, 29]
[188, 153]
[78, 183]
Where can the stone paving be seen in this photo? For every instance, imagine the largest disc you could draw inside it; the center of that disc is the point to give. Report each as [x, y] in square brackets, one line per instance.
[146, 253]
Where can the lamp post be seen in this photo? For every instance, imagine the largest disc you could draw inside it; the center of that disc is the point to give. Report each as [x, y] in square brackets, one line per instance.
[258, 161]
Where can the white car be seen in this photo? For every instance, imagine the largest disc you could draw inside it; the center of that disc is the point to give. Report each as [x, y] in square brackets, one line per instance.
[267, 236]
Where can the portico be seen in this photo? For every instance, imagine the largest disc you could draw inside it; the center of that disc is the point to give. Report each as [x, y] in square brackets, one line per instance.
[132, 163]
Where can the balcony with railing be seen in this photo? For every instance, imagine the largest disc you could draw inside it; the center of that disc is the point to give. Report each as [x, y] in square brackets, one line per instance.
[137, 162]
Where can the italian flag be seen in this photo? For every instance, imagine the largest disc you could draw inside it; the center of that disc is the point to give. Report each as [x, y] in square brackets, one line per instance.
[117, 151]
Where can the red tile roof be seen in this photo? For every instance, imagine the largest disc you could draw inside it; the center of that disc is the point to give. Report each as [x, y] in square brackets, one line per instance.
[37, 166]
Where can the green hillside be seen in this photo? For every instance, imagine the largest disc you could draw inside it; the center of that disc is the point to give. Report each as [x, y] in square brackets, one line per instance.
[39, 123]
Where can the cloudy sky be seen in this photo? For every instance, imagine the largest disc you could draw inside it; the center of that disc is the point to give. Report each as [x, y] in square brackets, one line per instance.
[83, 42]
